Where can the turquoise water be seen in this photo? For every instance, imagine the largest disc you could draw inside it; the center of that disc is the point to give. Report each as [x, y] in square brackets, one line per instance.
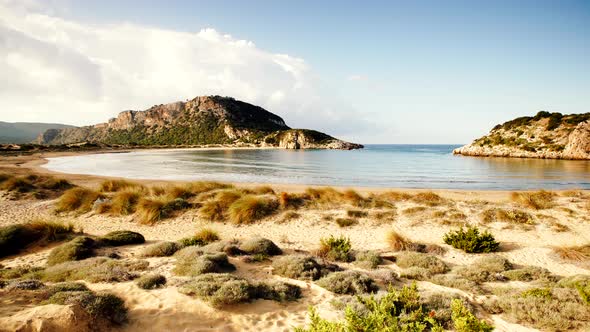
[394, 166]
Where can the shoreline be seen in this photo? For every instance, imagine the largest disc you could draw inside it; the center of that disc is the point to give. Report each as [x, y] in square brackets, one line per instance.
[34, 163]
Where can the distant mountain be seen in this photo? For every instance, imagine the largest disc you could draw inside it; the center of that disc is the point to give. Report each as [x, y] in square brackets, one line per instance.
[200, 121]
[546, 135]
[25, 132]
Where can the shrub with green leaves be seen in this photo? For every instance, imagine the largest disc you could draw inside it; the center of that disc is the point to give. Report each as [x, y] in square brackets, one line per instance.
[96, 269]
[260, 245]
[194, 265]
[122, 238]
[465, 321]
[471, 240]
[348, 282]
[297, 267]
[398, 310]
[335, 249]
[161, 249]
[100, 306]
[367, 259]
[75, 250]
[14, 238]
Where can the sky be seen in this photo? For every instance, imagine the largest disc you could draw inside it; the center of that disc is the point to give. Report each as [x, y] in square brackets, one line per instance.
[442, 72]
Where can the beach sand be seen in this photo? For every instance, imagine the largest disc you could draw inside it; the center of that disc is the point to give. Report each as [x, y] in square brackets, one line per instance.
[166, 309]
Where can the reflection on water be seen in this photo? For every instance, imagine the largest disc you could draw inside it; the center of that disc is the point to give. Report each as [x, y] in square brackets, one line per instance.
[409, 166]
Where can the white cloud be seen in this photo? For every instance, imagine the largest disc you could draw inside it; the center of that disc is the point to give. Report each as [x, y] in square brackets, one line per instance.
[57, 70]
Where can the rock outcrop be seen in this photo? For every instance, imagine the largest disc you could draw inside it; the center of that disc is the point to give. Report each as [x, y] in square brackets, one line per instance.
[200, 121]
[546, 135]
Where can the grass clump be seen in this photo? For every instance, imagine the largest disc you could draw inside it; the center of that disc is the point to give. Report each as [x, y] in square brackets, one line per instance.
[512, 216]
[574, 253]
[398, 242]
[100, 306]
[346, 222]
[116, 185]
[14, 238]
[260, 246]
[422, 265]
[335, 249]
[277, 291]
[348, 282]
[530, 273]
[201, 238]
[77, 199]
[297, 267]
[356, 213]
[367, 259]
[151, 210]
[471, 240]
[535, 200]
[96, 269]
[457, 282]
[161, 249]
[490, 268]
[216, 209]
[121, 238]
[397, 310]
[26, 284]
[189, 265]
[249, 209]
[291, 201]
[66, 287]
[428, 198]
[77, 249]
[150, 281]
[125, 202]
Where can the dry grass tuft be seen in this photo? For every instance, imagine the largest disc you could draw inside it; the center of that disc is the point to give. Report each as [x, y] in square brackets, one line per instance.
[428, 198]
[151, 210]
[427, 264]
[535, 200]
[261, 190]
[77, 199]
[117, 185]
[249, 209]
[356, 213]
[14, 238]
[398, 242]
[575, 253]
[346, 222]
[215, 209]
[125, 202]
[292, 201]
[201, 238]
[354, 198]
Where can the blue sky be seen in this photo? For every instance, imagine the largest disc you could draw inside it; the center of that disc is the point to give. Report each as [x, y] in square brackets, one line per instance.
[387, 71]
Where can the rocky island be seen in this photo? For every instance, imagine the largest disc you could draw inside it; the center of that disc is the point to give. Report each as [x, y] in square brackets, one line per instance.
[203, 120]
[546, 135]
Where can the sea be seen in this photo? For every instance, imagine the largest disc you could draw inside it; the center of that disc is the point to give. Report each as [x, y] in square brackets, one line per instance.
[383, 166]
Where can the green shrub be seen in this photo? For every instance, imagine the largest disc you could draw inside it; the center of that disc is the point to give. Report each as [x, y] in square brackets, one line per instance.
[367, 259]
[150, 281]
[398, 310]
[297, 267]
[530, 273]
[489, 268]
[335, 249]
[249, 209]
[161, 249]
[465, 321]
[219, 289]
[101, 306]
[348, 282]
[25, 272]
[277, 291]
[121, 238]
[75, 250]
[205, 263]
[471, 240]
[14, 238]
[430, 264]
[259, 245]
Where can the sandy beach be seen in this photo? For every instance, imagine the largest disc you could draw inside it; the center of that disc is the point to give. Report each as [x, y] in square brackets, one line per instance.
[565, 224]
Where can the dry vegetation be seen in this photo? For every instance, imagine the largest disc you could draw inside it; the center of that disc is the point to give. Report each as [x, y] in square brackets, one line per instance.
[535, 200]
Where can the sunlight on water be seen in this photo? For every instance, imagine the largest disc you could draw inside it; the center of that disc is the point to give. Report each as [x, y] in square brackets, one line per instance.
[401, 166]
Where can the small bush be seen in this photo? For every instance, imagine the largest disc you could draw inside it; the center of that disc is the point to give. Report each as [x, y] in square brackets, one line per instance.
[530, 273]
[277, 291]
[259, 245]
[471, 240]
[335, 249]
[121, 238]
[456, 282]
[465, 321]
[490, 268]
[24, 285]
[150, 281]
[219, 289]
[77, 199]
[348, 282]
[230, 247]
[75, 250]
[161, 249]
[66, 287]
[96, 269]
[249, 209]
[346, 222]
[14, 238]
[356, 213]
[102, 306]
[419, 260]
[205, 263]
[367, 259]
[201, 238]
[535, 200]
[297, 267]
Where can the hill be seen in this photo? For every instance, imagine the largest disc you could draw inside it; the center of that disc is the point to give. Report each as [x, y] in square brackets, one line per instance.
[24, 132]
[200, 121]
[546, 135]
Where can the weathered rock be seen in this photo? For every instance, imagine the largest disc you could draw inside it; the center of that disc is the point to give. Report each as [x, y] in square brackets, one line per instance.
[547, 136]
[48, 318]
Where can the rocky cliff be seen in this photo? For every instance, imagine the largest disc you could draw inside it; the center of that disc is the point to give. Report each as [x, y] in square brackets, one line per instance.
[200, 121]
[546, 135]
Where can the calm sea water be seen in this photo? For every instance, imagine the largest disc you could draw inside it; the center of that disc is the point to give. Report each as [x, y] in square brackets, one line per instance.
[396, 166]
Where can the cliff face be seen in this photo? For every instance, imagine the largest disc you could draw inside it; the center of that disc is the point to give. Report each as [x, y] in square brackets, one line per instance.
[202, 120]
[546, 135]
